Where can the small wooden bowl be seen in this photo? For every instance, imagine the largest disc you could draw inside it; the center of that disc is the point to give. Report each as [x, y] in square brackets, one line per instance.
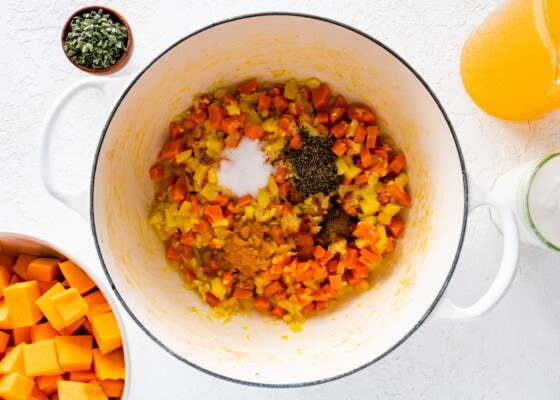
[125, 57]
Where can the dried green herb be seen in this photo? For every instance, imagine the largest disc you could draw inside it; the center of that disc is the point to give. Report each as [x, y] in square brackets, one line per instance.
[95, 40]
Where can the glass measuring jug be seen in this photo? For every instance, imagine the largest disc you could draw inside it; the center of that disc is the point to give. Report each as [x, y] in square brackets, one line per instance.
[533, 192]
[510, 64]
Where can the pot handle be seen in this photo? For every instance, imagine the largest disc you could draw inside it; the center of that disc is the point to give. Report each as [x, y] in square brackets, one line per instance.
[78, 200]
[448, 310]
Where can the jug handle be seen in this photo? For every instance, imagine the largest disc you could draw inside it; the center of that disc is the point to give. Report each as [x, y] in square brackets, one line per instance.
[77, 200]
[446, 308]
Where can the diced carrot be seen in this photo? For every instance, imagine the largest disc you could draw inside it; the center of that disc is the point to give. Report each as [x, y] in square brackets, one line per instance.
[319, 252]
[202, 226]
[285, 123]
[335, 114]
[213, 212]
[323, 118]
[156, 172]
[307, 308]
[263, 102]
[319, 295]
[244, 200]
[368, 257]
[195, 206]
[353, 281]
[382, 153]
[280, 174]
[397, 163]
[261, 303]
[320, 97]
[272, 288]
[248, 87]
[241, 293]
[278, 312]
[360, 134]
[336, 282]
[190, 276]
[199, 116]
[391, 242]
[226, 100]
[365, 157]
[361, 230]
[221, 200]
[361, 179]
[231, 124]
[295, 142]
[339, 148]
[227, 279]
[280, 103]
[170, 149]
[339, 101]
[277, 234]
[252, 131]
[339, 130]
[175, 130]
[178, 191]
[399, 195]
[395, 227]
[371, 138]
[215, 115]
[360, 114]
[383, 197]
[172, 253]
[211, 299]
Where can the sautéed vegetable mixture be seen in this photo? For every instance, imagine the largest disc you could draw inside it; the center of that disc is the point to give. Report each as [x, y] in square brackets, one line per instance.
[316, 227]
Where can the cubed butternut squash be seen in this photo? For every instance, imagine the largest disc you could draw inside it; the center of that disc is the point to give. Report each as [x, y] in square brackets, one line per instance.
[40, 359]
[5, 276]
[109, 366]
[106, 332]
[21, 335]
[43, 269]
[20, 299]
[4, 340]
[42, 331]
[74, 352]
[112, 387]
[68, 390]
[76, 277]
[13, 360]
[70, 305]
[21, 264]
[37, 394]
[97, 303]
[82, 376]
[5, 322]
[48, 383]
[48, 308]
[15, 386]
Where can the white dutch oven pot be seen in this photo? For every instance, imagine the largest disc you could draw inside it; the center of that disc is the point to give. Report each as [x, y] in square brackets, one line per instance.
[249, 348]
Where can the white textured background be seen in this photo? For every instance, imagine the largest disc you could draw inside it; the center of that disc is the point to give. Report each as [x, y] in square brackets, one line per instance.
[511, 353]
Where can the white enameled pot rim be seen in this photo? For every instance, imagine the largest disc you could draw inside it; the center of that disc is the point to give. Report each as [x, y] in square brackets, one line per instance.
[453, 263]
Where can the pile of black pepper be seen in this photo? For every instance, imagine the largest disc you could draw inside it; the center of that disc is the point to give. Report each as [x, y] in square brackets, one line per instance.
[314, 166]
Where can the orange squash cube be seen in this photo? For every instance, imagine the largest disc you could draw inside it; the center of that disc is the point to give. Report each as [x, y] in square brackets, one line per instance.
[109, 366]
[74, 352]
[43, 269]
[79, 391]
[20, 299]
[40, 359]
[106, 332]
[70, 305]
[13, 360]
[76, 277]
[15, 386]
[48, 308]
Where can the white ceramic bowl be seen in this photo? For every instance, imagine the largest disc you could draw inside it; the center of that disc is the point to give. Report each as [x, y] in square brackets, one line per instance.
[17, 243]
[249, 348]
